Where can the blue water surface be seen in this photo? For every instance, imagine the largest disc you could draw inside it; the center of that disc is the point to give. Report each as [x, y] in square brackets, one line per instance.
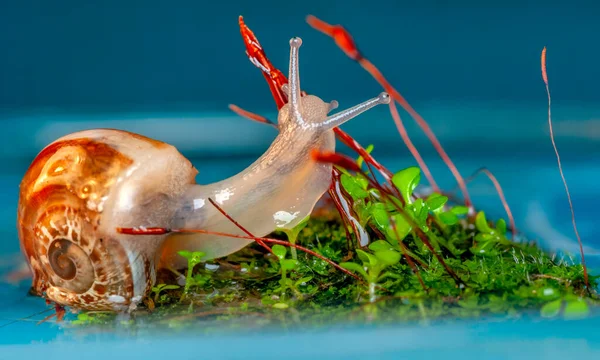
[525, 166]
[168, 72]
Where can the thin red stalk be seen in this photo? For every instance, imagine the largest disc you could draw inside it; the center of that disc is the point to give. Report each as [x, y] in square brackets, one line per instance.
[411, 147]
[500, 192]
[345, 162]
[560, 169]
[250, 115]
[354, 145]
[411, 263]
[346, 43]
[345, 200]
[414, 225]
[276, 80]
[334, 158]
[238, 224]
[340, 209]
[342, 135]
[159, 230]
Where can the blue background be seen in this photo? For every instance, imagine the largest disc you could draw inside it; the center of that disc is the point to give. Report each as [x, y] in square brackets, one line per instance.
[168, 70]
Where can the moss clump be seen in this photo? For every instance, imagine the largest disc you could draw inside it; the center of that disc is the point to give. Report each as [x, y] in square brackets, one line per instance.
[424, 259]
[247, 290]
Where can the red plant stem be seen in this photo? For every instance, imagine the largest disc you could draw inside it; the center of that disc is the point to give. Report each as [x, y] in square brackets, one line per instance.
[340, 209]
[345, 201]
[560, 169]
[341, 134]
[411, 147]
[415, 226]
[344, 40]
[250, 115]
[354, 145]
[159, 230]
[411, 263]
[260, 242]
[276, 80]
[500, 192]
[334, 158]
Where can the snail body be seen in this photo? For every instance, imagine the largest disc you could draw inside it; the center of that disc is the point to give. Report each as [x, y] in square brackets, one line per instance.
[84, 186]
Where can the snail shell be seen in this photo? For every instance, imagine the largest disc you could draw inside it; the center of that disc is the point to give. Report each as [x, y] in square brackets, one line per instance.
[84, 186]
[72, 196]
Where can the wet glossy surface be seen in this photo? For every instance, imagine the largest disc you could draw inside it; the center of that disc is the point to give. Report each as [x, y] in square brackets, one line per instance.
[526, 170]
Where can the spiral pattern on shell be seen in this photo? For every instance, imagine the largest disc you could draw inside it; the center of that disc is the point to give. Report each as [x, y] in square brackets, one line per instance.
[75, 262]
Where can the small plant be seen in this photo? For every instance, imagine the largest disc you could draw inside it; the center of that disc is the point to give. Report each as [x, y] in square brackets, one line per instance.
[373, 265]
[156, 290]
[285, 266]
[292, 235]
[193, 258]
[431, 259]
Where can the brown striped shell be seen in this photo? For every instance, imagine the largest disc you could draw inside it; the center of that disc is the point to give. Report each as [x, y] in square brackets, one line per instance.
[75, 194]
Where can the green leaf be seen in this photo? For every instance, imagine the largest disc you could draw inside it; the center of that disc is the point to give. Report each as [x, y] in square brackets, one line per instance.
[193, 257]
[279, 251]
[170, 287]
[380, 245]
[576, 309]
[436, 202]
[354, 186]
[367, 259]
[360, 159]
[292, 234]
[501, 226]
[354, 267]
[303, 281]
[158, 287]
[185, 253]
[448, 217]
[402, 228]
[481, 223]
[380, 216]
[406, 181]
[460, 210]
[388, 257]
[289, 264]
[421, 210]
[485, 248]
[551, 309]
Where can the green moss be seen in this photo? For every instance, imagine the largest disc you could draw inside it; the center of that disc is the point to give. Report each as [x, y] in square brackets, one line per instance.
[485, 273]
[247, 289]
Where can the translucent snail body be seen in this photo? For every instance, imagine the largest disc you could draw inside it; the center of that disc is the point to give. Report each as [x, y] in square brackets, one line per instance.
[84, 186]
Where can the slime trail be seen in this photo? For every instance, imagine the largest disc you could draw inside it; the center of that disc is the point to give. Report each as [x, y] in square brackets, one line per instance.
[560, 169]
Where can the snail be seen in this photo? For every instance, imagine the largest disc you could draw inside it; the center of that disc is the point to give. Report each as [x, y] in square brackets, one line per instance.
[82, 187]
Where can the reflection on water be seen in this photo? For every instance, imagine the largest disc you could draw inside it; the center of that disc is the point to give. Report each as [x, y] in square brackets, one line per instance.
[528, 175]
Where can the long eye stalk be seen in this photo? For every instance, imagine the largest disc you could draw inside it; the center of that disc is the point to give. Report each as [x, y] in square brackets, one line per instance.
[294, 83]
[343, 116]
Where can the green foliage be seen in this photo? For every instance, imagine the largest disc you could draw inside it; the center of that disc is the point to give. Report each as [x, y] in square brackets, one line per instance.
[292, 234]
[406, 181]
[498, 277]
[193, 258]
[156, 290]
